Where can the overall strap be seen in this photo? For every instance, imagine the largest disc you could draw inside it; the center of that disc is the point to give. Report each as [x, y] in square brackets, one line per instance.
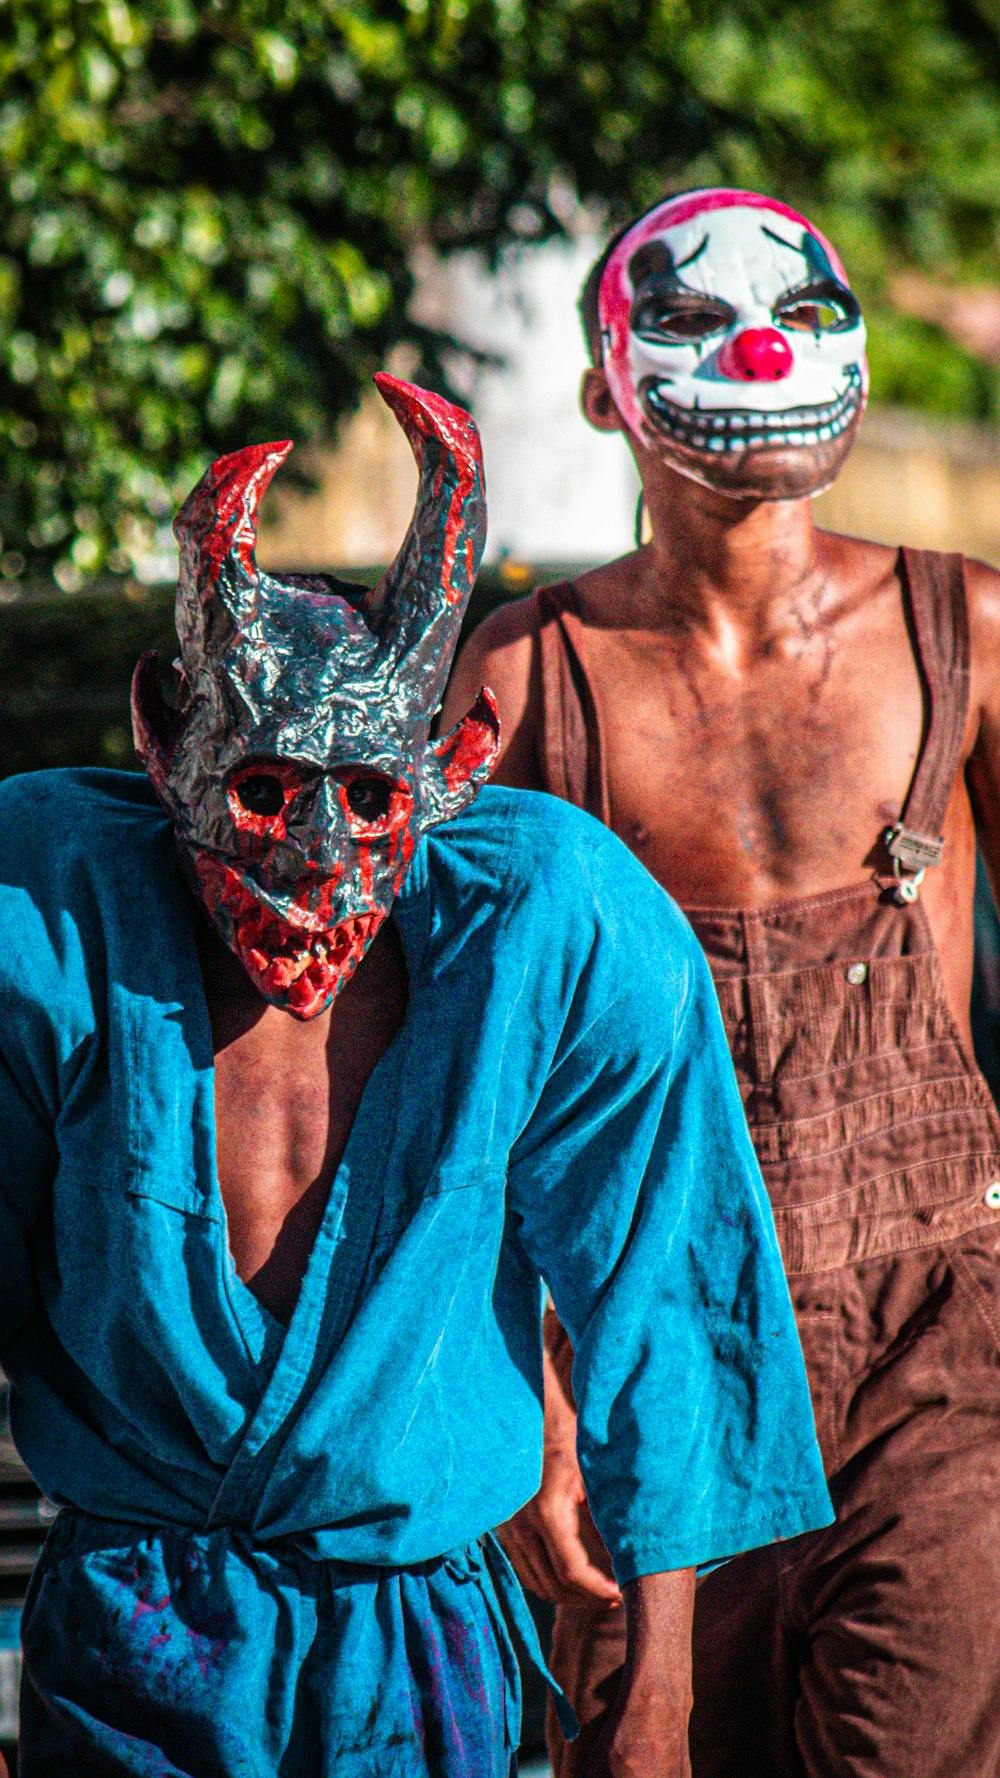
[571, 749]
[934, 584]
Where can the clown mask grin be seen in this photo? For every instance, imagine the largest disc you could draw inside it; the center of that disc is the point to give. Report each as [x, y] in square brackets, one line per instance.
[733, 345]
[296, 764]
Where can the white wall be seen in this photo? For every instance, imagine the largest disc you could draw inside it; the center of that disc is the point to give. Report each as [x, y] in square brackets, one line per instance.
[557, 490]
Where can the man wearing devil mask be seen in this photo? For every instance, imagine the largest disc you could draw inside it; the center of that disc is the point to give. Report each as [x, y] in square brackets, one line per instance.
[790, 729]
[310, 1070]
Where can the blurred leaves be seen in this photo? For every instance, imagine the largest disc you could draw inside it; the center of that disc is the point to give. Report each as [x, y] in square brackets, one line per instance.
[209, 210]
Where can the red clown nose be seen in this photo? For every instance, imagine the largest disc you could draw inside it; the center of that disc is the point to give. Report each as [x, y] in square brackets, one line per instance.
[757, 355]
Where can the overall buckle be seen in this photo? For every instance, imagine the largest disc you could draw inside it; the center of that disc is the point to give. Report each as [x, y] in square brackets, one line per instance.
[913, 853]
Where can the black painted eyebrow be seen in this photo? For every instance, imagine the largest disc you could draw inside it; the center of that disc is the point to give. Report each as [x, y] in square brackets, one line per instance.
[654, 259]
[814, 254]
[693, 256]
[769, 232]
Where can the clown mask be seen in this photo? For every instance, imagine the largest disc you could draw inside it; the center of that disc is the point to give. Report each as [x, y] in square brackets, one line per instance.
[294, 759]
[733, 345]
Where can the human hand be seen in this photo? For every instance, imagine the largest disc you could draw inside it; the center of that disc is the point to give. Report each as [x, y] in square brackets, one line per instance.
[553, 1541]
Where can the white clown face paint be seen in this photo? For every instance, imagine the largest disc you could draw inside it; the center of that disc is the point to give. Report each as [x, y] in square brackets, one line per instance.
[733, 345]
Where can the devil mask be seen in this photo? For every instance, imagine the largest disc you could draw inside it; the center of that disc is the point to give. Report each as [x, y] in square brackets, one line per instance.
[733, 345]
[295, 761]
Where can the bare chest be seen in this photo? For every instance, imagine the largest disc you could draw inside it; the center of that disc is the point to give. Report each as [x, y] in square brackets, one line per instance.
[742, 788]
[286, 1097]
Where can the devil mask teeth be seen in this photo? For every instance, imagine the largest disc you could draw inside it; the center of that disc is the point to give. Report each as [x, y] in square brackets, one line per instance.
[729, 331]
[297, 767]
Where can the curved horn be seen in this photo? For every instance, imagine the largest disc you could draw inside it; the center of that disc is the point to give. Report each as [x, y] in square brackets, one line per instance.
[216, 530]
[420, 601]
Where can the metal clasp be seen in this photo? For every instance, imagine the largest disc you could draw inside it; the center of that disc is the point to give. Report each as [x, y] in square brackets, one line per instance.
[912, 852]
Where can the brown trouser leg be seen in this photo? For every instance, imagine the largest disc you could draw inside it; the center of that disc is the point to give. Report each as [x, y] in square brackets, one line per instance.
[868, 1651]
[588, 1648]
[871, 1649]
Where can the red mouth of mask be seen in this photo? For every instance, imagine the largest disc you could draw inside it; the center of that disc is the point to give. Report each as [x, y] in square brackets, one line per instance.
[298, 967]
[301, 970]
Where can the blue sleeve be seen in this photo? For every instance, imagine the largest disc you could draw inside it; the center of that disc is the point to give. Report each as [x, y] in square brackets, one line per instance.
[642, 1205]
[28, 1154]
[34, 1034]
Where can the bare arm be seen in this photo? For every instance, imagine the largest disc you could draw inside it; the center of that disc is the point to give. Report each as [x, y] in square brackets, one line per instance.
[503, 655]
[646, 1735]
[559, 1555]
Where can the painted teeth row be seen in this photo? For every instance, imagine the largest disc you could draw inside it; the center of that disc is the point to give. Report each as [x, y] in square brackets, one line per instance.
[704, 430]
[797, 417]
[725, 441]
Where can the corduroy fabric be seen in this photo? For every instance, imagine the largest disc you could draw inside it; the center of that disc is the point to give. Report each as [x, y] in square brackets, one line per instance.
[868, 1649]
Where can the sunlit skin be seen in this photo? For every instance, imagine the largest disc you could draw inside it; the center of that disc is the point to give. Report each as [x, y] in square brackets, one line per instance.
[286, 1094]
[763, 714]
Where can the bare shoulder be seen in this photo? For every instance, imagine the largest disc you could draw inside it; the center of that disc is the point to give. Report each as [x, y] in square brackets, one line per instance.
[611, 596]
[860, 566]
[509, 629]
[499, 652]
[871, 566]
[502, 654]
[982, 585]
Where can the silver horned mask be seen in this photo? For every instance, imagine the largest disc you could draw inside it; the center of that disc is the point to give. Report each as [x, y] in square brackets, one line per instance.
[295, 759]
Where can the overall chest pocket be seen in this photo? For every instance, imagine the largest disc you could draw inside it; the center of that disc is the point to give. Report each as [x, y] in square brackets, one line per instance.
[169, 1113]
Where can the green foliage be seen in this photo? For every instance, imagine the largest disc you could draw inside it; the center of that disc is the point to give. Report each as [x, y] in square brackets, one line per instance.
[209, 209]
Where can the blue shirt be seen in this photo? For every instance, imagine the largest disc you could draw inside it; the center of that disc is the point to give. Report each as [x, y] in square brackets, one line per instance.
[559, 1105]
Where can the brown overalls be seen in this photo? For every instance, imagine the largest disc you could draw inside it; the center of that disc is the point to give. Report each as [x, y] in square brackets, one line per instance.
[872, 1649]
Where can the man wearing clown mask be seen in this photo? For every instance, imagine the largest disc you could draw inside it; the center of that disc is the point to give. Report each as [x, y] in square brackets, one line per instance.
[796, 733]
[311, 1068]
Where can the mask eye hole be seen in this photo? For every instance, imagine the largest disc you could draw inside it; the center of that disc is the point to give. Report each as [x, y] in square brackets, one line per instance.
[260, 793]
[688, 324]
[811, 317]
[679, 320]
[369, 798]
[822, 308]
[375, 805]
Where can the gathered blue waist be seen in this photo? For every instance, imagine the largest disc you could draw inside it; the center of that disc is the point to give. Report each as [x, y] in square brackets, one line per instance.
[77, 1534]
